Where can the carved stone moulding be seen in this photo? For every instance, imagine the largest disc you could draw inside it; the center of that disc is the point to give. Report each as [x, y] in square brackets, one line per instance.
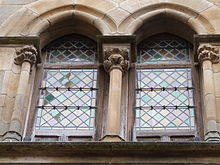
[116, 58]
[208, 52]
[26, 54]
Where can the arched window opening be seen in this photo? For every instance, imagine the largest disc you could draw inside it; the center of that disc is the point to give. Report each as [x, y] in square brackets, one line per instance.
[165, 103]
[67, 103]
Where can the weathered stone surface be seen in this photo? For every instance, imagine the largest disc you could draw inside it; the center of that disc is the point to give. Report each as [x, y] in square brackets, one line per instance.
[17, 2]
[212, 14]
[116, 57]
[195, 5]
[208, 52]
[101, 5]
[42, 6]
[217, 86]
[111, 152]
[7, 10]
[28, 54]
[6, 56]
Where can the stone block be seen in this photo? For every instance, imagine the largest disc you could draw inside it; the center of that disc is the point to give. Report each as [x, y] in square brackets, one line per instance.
[37, 26]
[217, 86]
[6, 58]
[131, 5]
[16, 2]
[12, 84]
[218, 109]
[213, 19]
[1, 79]
[5, 80]
[61, 16]
[118, 15]
[43, 6]
[100, 5]
[85, 10]
[198, 27]
[192, 4]
[208, 82]
[20, 20]
[3, 126]
[7, 10]
[2, 100]
[8, 109]
[210, 107]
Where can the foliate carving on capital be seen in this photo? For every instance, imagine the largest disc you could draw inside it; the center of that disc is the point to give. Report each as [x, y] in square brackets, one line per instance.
[208, 52]
[26, 54]
[116, 58]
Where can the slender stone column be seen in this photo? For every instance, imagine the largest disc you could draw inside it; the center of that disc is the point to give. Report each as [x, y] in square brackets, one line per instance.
[208, 55]
[116, 62]
[26, 57]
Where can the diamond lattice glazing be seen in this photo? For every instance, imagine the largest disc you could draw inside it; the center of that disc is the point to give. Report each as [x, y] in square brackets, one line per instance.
[164, 51]
[72, 52]
[67, 99]
[163, 99]
[165, 119]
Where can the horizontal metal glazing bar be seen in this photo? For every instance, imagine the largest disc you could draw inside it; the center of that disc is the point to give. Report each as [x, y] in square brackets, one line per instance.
[88, 48]
[68, 89]
[165, 89]
[165, 47]
[66, 107]
[165, 107]
[74, 65]
[165, 66]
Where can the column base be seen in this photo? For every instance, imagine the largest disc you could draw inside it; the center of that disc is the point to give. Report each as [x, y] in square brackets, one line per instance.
[112, 138]
[212, 136]
[11, 136]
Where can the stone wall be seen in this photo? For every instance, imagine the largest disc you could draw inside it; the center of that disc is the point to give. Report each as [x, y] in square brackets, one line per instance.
[50, 19]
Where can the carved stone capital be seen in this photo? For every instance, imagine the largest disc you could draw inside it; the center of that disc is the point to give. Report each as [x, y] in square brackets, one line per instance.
[26, 54]
[208, 52]
[116, 58]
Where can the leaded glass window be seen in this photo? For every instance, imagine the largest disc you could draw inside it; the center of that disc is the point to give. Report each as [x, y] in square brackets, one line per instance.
[164, 92]
[68, 89]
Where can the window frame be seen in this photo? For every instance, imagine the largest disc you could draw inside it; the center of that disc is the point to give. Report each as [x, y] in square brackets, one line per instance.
[173, 135]
[60, 135]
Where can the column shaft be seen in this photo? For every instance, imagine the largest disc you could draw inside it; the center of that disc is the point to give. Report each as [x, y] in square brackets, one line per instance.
[114, 103]
[116, 63]
[26, 57]
[208, 55]
[209, 91]
[17, 115]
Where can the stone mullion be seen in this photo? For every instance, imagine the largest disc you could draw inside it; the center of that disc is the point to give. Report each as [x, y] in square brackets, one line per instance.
[208, 56]
[116, 63]
[114, 103]
[26, 57]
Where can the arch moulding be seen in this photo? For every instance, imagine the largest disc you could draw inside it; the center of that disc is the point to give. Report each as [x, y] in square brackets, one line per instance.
[35, 18]
[184, 14]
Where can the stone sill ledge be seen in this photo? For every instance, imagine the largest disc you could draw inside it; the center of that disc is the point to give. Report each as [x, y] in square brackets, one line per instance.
[146, 149]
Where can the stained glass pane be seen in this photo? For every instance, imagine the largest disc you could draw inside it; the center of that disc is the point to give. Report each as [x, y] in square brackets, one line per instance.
[164, 51]
[72, 52]
[74, 78]
[71, 118]
[164, 99]
[157, 78]
[68, 99]
[165, 119]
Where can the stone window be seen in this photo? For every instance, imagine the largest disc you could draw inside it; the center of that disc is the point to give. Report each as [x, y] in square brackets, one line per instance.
[67, 103]
[165, 91]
